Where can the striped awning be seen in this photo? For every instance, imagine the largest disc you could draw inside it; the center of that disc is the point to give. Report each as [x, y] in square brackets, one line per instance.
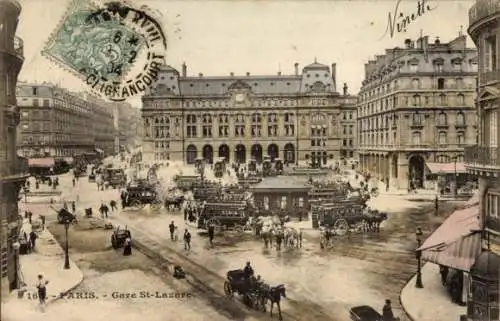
[41, 162]
[457, 242]
[446, 168]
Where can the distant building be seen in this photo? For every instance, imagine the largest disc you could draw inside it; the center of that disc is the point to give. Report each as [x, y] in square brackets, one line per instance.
[295, 117]
[12, 169]
[127, 119]
[415, 107]
[58, 123]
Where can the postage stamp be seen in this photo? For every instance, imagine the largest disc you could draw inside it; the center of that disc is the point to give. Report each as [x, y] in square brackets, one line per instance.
[114, 48]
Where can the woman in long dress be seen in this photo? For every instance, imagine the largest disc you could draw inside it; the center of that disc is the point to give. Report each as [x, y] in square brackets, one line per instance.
[127, 248]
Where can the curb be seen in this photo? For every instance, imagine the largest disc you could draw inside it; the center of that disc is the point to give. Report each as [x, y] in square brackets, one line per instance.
[401, 301]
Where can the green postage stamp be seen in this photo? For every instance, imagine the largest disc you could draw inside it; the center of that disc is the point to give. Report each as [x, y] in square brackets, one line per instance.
[102, 45]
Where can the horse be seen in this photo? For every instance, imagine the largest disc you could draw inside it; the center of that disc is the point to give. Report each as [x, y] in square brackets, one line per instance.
[374, 219]
[176, 202]
[291, 237]
[274, 295]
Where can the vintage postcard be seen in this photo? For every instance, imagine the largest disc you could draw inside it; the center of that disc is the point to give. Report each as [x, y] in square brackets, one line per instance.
[195, 160]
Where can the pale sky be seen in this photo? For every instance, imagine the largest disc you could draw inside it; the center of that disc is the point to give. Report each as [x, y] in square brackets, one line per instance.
[260, 37]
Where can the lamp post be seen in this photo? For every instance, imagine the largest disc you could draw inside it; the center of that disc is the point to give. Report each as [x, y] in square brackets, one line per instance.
[15, 248]
[418, 234]
[67, 222]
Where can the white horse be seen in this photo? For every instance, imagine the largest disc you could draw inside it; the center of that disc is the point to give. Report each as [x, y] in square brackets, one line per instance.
[292, 237]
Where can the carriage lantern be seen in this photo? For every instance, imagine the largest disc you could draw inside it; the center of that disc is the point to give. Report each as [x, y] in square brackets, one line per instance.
[418, 234]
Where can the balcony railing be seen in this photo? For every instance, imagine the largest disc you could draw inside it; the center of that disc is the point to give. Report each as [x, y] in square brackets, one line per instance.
[481, 155]
[489, 77]
[482, 9]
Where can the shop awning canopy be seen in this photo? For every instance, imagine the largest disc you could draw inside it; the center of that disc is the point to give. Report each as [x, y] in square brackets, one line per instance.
[457, 242]
[446, 168]
[41, 162]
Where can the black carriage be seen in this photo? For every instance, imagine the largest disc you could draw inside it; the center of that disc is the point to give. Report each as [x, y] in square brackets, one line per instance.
[115, 177]
[224, 216]
[118, 237]
[340, 217]
[63, 215]
[219, 167]
[186, 182]
[138, 196]
[252, 165]
[364, 313]
[236, 282]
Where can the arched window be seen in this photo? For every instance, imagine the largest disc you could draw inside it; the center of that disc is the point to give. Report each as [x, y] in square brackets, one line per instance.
[442, 138]
[442, 119]
[460, 118]
[416, 138]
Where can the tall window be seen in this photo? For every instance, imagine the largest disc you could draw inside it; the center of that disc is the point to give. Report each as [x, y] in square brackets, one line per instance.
[442, 120]
[442, 138]
[441, 83]
[493, 205]
[442, 100]
[272, 125]
[223, 125]
[415, 83]
[490, 53]
[459, 83]
[289, 124]
[460, 118]
[457, 65]
[207, 125]
[491, 117]
[191, 126]
[417, 119]
[460, 138]
[416, 100]
[256, 125]
[239, 125]
[416, 138]
[460, 99]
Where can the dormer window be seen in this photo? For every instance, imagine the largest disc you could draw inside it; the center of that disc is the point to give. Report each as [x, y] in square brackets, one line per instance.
[438, 64]
[457, 64]
[413, 64]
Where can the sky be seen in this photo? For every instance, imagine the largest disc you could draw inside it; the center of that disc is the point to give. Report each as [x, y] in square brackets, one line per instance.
[261, 37]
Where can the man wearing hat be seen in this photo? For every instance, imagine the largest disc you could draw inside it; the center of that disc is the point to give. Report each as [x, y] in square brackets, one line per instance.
[387, 314]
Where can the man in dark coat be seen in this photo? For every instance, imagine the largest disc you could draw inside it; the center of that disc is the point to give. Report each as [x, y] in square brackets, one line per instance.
[73, 206]
[387, 314]
[443, 270]
[33, 240]
[123, 197]
[185, 213]
[171, 228]
[211, 233]
[187, 240]
[248, 271]
[113, 205]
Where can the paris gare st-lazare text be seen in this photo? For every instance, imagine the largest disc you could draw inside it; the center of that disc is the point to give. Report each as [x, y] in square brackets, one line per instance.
[150, 295]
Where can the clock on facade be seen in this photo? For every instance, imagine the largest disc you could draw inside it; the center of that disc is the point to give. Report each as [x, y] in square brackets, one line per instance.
[240, 97]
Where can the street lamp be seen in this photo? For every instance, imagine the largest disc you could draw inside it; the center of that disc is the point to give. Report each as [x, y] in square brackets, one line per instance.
[15, 247]
[67, 222]
[418, 234]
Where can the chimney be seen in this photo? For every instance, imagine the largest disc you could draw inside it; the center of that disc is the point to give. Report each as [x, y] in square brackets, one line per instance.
[296, 69]
[231, 74]
[184, 69]
[345, 89]
[200, 75]
[334, 71]
[248, 74]
[407, 43]
[437, 41]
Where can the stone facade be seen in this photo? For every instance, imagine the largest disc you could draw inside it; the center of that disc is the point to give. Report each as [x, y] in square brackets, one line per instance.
[58, 123]
[483, 159]
[416, 105]
[12, 169]
[293, 117]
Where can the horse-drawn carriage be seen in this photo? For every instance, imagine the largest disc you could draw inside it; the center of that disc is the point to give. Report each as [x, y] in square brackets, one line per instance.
[186, 182]
[65, 216]
[138, 196]
[224, 216]
[219, 167]
[252, 166]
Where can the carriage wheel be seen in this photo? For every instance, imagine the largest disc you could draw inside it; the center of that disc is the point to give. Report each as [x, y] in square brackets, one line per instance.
[239, 228]
[341, 227]
[227, 289]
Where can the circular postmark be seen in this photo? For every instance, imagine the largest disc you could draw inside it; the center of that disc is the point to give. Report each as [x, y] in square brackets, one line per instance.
[116, 49]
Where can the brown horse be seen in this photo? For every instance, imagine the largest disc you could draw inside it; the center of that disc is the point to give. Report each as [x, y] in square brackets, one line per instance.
[274, 295]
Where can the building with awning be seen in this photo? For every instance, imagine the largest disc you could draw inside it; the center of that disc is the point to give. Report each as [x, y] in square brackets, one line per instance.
[46, 162]
[457, 242]
[445, 175]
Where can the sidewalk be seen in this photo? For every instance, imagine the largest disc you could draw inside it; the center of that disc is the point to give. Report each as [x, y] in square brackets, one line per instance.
[432, 303]
[48, 260]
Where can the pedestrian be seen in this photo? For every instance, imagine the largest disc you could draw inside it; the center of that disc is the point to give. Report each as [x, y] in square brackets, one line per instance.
[101, 210]
[211, 233]
[33, 238]
[73, 181]
[127, 247]
[106, 210]
[42, 217]
[279, 239]
[187, 240]
[113, 205]
[123, 197]
[171, 228]
[300, 239]
[42, 290]
[65, 206]
[73, 206]
[186, 209]
[29, 216]
[436, 205]
[37, 185]
[387, 314]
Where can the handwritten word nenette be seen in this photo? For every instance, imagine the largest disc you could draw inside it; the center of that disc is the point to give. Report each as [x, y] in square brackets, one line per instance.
[400, 21]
